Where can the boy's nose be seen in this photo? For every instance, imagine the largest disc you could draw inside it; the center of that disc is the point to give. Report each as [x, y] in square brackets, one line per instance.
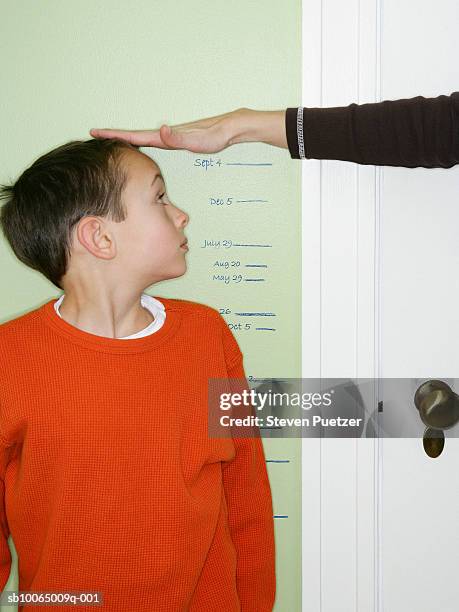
[184, 217]
[179, 216]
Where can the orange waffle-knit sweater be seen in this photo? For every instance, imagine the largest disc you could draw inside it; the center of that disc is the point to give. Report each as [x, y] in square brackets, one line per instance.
[109, 481]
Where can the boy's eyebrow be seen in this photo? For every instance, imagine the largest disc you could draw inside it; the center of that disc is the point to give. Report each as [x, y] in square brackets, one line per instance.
[158, 175]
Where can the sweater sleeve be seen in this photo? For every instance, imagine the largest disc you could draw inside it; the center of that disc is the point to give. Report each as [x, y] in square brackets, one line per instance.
[409, 132]
[250, 517]
[5, 553]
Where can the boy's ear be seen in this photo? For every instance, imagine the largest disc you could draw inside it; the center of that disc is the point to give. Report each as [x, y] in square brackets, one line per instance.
[94, 235]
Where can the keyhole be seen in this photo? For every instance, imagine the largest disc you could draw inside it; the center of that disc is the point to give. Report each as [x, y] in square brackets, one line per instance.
[433, 441]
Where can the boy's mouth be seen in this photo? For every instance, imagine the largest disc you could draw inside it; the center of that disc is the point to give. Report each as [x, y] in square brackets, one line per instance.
[184, 242]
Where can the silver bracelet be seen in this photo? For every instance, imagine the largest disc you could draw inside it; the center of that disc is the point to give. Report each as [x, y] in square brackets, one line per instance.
[299, 131]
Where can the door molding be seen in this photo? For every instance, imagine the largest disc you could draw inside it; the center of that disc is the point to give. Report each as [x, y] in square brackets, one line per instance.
[341, 525]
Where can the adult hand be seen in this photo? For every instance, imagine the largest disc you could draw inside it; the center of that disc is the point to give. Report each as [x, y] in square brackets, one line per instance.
[209, 135]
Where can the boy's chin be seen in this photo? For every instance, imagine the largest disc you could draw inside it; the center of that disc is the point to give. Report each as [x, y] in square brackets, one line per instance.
[177, 272]
[181, 273]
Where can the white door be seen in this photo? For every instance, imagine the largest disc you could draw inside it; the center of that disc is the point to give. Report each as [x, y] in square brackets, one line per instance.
[381, 269]
[419, 323]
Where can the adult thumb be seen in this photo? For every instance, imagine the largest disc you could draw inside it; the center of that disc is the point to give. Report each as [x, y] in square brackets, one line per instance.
[169, 137]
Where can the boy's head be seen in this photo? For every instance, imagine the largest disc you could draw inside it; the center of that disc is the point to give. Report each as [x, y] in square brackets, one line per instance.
[95, 210]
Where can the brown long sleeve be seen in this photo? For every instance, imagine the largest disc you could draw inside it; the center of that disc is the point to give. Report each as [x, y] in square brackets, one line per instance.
[409, 132]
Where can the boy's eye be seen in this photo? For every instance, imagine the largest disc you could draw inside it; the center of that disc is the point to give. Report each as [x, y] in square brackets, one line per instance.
[161, 195]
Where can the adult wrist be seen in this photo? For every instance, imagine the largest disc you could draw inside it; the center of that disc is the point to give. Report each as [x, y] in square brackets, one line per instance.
[249, 125]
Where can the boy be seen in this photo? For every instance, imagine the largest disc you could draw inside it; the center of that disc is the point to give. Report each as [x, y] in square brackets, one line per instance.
[109, 481]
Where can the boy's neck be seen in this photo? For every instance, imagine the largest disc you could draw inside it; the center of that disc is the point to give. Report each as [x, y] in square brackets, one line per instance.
[104, 318]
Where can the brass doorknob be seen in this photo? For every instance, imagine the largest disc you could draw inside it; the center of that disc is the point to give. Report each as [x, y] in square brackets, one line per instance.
[438, 405]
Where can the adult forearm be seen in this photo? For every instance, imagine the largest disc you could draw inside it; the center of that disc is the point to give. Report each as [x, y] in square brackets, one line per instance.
[248, 125]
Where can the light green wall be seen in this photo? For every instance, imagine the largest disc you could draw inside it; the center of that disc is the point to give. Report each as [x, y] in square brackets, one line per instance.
[68, 66]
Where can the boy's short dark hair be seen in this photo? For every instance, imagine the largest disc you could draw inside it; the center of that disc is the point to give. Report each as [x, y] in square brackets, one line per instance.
[77, 179]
